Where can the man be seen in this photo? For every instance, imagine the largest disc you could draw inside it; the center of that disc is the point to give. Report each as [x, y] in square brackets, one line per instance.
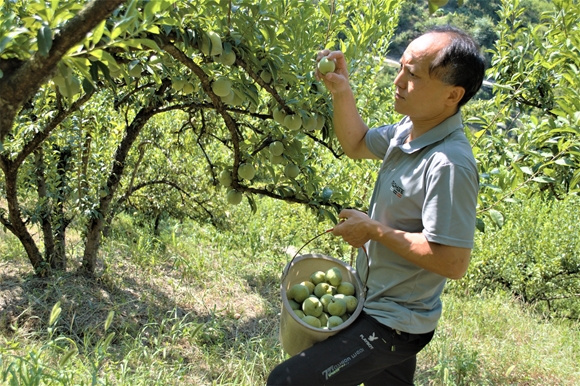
[421, 221]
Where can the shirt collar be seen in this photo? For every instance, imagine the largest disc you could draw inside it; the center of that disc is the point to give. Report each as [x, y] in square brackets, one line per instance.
[436, 134]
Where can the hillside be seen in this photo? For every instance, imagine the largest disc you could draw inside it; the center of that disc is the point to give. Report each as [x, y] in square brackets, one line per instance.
[478, 17]
[198, 306]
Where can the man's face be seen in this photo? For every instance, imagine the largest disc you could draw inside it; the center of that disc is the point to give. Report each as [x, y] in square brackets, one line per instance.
[419, 95]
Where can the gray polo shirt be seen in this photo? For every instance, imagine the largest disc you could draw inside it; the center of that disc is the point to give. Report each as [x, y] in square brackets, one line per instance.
[428, 185]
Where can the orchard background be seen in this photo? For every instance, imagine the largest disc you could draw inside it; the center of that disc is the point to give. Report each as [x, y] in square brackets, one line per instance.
[139, 246]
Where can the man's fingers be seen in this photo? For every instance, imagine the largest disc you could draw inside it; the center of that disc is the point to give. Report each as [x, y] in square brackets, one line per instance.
[337, 56]
[332, 55]
[345, 213]
[322, 54]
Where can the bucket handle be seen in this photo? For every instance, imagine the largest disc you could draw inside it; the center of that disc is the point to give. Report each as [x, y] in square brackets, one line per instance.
[285, 273]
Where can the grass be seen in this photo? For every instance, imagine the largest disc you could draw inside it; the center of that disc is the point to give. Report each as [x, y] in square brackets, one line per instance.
[200, 306]
[492, 339]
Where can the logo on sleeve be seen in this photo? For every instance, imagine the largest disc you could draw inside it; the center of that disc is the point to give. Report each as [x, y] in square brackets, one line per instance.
[397, 189]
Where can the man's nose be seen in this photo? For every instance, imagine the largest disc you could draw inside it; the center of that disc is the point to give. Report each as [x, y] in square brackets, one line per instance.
[400, 79]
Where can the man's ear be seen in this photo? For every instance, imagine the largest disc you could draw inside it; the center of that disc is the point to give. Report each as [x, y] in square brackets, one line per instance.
[456, 93]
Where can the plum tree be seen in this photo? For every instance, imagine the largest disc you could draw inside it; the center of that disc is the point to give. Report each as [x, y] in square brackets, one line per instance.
[120, 127]
[161, 81]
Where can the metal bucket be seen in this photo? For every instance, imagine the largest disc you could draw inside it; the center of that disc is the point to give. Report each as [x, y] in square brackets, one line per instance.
[296, 335]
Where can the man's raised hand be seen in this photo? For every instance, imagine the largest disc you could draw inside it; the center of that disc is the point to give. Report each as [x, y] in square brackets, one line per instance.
[336, 81]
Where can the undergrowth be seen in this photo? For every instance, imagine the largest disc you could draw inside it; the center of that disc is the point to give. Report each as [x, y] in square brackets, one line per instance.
[195, 305]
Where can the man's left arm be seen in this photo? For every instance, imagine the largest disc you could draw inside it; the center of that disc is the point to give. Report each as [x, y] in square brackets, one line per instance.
[444, 260]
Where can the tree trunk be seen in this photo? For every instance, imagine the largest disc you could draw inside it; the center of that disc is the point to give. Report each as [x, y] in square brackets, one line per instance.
[18, 85]
[96, 223]
[83, 187]
[59, 258]
[156, 226]
[17, 226]
[45, 212]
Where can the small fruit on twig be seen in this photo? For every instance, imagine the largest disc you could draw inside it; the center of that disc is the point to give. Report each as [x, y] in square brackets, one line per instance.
[234, 197]
[222, 87]
[246, 171]
[211, 39]
[293, 122]
[276, 148]
[291, 171]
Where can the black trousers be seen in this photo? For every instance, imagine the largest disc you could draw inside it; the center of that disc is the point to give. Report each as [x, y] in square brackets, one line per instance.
[366, 352]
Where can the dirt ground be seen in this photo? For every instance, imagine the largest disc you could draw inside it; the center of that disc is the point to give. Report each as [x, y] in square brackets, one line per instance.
[137, 297]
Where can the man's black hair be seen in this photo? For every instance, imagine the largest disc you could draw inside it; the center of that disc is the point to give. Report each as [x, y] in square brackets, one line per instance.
[460, 63]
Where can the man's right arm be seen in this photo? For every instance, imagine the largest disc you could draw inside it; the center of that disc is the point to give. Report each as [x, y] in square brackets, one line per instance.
[348, 124]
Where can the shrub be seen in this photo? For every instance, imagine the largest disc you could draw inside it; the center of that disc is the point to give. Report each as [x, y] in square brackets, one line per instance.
[535, 256]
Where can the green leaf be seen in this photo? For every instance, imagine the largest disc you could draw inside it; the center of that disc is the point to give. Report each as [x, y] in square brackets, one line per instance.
[328, 215]
[559, 112]
[88, 86]
[503, 87]
[573, 183]
[94, 71]
[44, 39]
[479, 133]
[544, 179]
[67, 356]
[326, 194]
[480, 224]
[151, 8]
[10, 36]
[196, 330]
[253, 205]
[564, 162]
[494, 187]
[496, 217]
[146, 42]
[167, 28]
[98, 33]
[109, 320]
[56, 310]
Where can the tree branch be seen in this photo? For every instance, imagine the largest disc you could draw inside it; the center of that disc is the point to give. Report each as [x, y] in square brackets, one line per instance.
[96, 223]
[231, 123]
[142, 185]
[560, 297]
[326, 145]
[523, 183]
[240, 62]
[6, 223]
[42, 135]
[21, 84]
[135, 90]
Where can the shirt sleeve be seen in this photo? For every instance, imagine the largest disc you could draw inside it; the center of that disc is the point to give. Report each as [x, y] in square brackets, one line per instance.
[449, 212]
[379, 139]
